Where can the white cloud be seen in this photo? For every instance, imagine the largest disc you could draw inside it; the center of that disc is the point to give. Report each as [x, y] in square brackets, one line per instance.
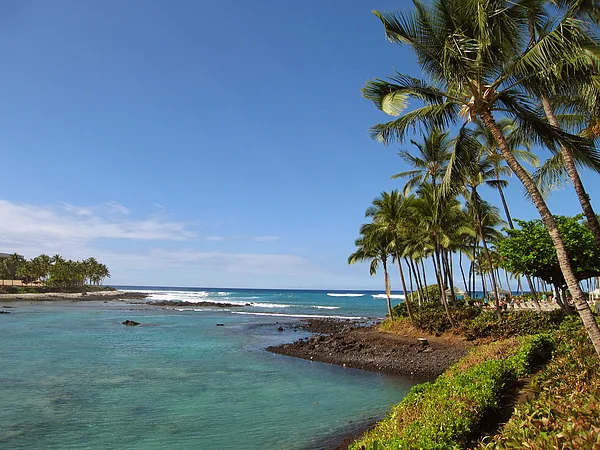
[191, 267]
[251, 238]
[68, 223]
[153, 258]
[265, 238]
[117, 208]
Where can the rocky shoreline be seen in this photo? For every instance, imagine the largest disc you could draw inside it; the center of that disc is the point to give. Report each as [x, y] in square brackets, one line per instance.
[362, 346]
[179, 304]
[359, 344]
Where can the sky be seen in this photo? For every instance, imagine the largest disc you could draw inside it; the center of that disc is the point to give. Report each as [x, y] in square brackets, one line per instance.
[201, 143]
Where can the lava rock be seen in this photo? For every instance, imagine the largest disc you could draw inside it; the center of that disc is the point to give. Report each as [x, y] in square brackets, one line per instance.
[131, 323]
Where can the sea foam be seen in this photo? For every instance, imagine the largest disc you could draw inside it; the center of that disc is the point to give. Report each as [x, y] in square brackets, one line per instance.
[349, 294]
[299, 316]
[400, 296]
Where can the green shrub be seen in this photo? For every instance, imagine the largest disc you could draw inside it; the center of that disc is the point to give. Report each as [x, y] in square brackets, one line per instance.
[446, 414]
[431, 317]
[564, 411]
[535, 352]
[514, 323]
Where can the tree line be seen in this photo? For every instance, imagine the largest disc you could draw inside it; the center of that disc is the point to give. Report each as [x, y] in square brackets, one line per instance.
[508, 76]
[54, 271]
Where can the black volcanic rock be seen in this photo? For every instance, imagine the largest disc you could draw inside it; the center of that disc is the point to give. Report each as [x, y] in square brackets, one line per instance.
[130, 323]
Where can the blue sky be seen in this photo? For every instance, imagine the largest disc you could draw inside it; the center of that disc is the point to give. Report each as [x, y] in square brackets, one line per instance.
[217, 143]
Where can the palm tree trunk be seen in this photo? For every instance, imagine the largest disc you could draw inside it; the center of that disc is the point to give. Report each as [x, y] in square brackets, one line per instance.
[472, 278]
[411, 286]
[569, 161]
[405, 292]
[462, 274]
[441, 286]
[489, 261]
[386, 278]
[415, 271]
[450, 278]
[505, 206]
[581, 304]
[425, 280]
[482, 275]
[512, 227]
[451, 270]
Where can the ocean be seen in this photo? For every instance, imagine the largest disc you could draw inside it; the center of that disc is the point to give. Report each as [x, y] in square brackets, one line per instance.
[74, 377]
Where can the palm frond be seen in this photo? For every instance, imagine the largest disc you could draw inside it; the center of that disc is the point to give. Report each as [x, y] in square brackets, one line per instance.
[551, 175]
[428, 117]
[390, 96]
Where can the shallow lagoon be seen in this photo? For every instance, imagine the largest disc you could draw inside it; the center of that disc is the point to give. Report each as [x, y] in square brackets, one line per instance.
[74, 377]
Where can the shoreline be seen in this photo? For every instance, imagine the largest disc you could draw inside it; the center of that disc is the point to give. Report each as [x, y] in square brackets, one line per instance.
[73, 296]
[361, 346]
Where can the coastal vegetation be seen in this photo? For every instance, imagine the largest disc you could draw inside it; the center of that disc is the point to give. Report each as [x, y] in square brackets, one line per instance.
[535, 389]
[507, 88]
[446, 414]
[498, 78]
[45, 273]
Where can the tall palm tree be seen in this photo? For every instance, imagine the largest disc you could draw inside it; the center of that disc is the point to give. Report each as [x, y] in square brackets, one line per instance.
[520, 145]
[470, 167]
[437, 220]
[430, 163]
[388, 212]
[540, 25]
[373, 246]
[476, 65]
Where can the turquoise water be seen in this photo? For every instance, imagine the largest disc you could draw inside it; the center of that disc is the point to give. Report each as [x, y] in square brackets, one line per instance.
[74, 377]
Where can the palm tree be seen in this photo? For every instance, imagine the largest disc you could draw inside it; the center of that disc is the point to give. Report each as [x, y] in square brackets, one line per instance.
[470, 167]
[515, 139]
[430, 164]
[41, 264]
[373, 246]
[473, 56]
[436, 219]
[12, 263]
[388, 212]
[540, 25]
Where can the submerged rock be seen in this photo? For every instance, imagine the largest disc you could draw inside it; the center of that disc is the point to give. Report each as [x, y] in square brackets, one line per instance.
[130, 323]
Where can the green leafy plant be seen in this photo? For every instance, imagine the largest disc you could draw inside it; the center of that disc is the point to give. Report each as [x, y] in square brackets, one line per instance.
[446, 414]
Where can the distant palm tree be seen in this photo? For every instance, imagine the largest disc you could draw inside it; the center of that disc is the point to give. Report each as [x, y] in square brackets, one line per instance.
[373, 246]
[519, 145]
[388, 212]
[12, 264]
[430, 163]
[437, 221]
[470, 167]
[476, 67]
